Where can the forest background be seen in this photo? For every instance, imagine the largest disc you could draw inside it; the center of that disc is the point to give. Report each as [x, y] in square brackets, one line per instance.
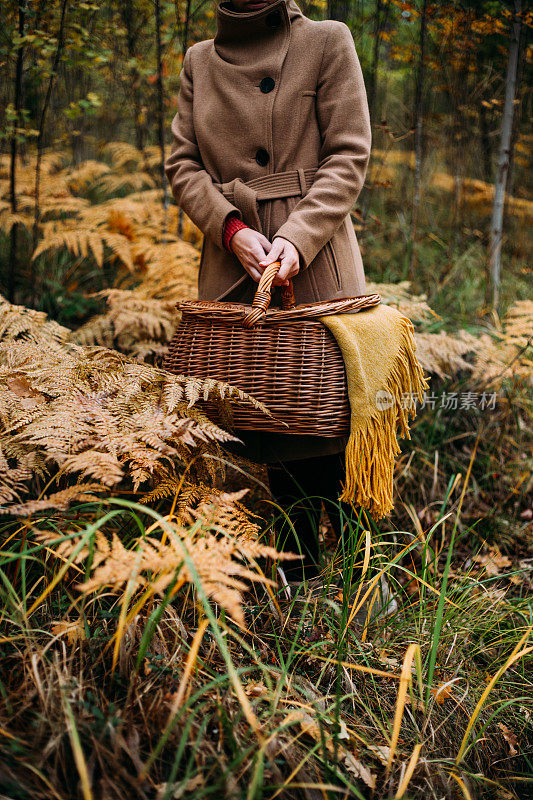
[143, 651]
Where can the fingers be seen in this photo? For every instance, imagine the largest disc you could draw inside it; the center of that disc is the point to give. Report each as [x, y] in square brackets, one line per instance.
[250, 247]
[264, 242]
[253, 272]
[290, 267]
[287, 268]
[255, 253]
[251, 263]
[273, 253]
[289, 258]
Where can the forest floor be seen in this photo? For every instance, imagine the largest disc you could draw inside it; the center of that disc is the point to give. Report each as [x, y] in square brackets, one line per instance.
[148, 648]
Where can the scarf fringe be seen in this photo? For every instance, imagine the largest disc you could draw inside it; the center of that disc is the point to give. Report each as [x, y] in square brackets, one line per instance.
[371, 449]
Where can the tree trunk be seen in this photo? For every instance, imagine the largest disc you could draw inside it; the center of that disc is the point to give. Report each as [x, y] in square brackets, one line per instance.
[459, 136]
[13, 236]
[486, 147]
[40, 140]
[184, 46]
[372, 80]
[160, 105]
[380, 23]
[419, 118]
[496, 227]
[524, 31]
[339, 9]
[186, 23]
[127, 12]
[77, 84]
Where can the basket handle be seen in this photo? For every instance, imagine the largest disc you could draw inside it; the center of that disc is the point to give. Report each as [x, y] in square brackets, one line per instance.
[263, 296]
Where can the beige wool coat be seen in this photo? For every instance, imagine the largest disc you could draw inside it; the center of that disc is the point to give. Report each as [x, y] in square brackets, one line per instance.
[273, 124]
[277, 101]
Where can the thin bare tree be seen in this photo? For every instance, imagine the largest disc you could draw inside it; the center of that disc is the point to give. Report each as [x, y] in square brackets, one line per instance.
[17, 127]
[185, 32]
[418, 126]
[525, 34]
[183, 29]
[134, 24]
[339, 9]
[40, 137]
[160, 103]
[496, 227]
[380, 24]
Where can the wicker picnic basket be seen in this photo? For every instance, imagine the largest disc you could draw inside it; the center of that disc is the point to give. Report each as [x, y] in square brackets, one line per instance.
[286, 358]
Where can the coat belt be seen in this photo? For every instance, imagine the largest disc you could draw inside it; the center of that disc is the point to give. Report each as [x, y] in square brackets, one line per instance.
[245, 194]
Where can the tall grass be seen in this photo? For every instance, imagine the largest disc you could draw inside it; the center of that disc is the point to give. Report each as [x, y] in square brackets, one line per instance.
[137, 688]
[296, 704]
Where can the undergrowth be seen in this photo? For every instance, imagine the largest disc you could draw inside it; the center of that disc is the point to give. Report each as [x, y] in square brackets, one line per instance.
[149, 691]
[149, 648]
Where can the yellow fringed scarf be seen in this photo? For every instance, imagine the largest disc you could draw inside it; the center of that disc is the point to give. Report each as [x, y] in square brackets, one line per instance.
[383, 376]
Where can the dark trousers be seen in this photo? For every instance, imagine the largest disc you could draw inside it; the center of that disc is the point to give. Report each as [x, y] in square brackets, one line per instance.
[299, 488]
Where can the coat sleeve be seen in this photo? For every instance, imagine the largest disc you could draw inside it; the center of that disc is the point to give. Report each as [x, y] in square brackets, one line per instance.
[344, 122]
[192, 186]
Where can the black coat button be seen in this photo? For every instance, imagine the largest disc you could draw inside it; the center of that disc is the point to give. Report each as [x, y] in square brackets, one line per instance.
[266, 85]
[273, 20]
[262, 157]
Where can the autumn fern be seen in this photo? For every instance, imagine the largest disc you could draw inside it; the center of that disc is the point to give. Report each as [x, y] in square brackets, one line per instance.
[219, 542]
[96, 414]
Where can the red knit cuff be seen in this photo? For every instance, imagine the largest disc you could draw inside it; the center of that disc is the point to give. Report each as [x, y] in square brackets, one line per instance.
[231, 226]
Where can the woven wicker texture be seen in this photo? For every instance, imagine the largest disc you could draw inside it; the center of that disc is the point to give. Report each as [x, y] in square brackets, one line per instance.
[236, 312]
[288, 359]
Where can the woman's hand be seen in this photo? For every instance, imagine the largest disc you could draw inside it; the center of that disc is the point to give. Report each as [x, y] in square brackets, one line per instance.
[284, 251]
[251, 247]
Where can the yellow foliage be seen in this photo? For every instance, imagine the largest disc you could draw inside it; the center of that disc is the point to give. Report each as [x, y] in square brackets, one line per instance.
[95, 413]
[480, 195]
[215, 551]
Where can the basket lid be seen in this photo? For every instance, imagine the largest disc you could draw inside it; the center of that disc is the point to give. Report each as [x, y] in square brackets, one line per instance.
[235, 312]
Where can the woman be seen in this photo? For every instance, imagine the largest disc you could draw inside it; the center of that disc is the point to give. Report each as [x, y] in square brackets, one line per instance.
[271, 145]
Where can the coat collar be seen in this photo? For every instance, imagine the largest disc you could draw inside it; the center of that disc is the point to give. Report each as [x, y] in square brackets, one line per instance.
[240, 30]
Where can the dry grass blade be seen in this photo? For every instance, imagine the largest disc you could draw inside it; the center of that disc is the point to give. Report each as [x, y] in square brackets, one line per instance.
[77, 749]
[366, 561]
[515, 655]
[413, 761]
[462, 785]
[189, 666]
[412, 654]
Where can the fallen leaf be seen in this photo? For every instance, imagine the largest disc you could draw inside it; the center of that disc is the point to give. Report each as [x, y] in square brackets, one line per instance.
[359, 770]
[493, 562]
[382, 751]
[417, 704]
[21, 388]
[310, 726]
[180, 789]
[343, 734]
[73, 631]
[442, 692]
[255, 689]
[388, 661]
[509, 737]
